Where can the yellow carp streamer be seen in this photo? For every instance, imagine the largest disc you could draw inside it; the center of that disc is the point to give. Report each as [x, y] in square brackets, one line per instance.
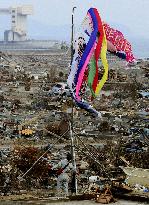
[105, 65]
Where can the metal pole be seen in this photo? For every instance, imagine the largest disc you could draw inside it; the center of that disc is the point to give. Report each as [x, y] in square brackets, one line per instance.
[74, 179]
[71, 122]
[72, 33]
[72, 50]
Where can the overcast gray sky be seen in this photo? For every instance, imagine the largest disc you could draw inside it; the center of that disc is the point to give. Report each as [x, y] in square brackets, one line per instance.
[132, 14]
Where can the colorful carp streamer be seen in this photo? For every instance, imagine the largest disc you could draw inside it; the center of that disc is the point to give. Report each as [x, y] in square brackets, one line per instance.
[92, 43]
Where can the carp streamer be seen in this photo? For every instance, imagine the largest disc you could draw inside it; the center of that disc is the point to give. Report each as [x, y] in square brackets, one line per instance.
[118, 44]
[92, 43]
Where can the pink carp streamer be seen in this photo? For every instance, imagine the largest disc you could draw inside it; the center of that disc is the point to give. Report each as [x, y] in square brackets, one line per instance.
[81, 76]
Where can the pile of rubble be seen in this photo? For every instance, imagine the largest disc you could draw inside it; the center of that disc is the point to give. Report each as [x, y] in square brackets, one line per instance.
[91, 160]
[29, 115]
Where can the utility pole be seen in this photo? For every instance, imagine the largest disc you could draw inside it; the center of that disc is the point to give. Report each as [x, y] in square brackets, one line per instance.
[74, 179]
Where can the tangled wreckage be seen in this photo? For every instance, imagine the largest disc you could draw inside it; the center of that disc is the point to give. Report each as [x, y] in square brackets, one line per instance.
[36, 124]
[114, 151]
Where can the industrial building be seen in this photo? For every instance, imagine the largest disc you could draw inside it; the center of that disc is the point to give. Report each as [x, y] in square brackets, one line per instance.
[18, 30]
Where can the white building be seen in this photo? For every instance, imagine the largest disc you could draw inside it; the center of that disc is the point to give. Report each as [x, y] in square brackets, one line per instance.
[18, 31]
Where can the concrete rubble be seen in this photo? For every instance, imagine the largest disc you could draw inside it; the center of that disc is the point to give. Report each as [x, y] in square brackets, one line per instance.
[28, 116]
